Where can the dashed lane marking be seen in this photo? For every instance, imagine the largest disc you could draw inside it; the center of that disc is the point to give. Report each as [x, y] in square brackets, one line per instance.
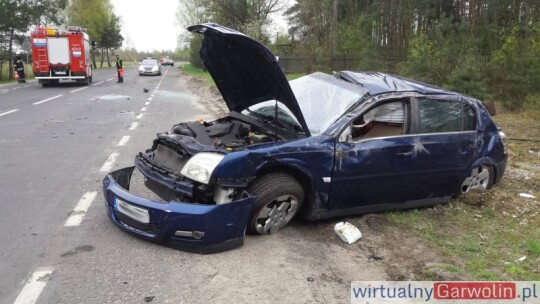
[139, 116]
[77, 90]
[48, 99]
[9, 112]
[34, 286]
[95, 84]
[146, 103]
[143, 109]
[107, 166]
[123, 141]
[110, 79]
[133, 126]
[76, 217]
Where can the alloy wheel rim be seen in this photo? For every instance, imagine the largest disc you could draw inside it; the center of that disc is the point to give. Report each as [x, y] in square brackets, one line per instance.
[478, 180]
[276, 214]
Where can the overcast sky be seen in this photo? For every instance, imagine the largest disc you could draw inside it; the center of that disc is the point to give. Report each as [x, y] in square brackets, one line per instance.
[152, 25]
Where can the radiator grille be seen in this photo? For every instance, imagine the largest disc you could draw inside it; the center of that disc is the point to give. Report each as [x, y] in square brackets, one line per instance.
[170, 159]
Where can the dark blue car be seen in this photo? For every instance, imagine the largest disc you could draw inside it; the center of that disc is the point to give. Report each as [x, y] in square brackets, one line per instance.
[321, 146]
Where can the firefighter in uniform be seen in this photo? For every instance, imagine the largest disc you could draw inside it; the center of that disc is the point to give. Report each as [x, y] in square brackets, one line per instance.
[119, 65]
[18, 66]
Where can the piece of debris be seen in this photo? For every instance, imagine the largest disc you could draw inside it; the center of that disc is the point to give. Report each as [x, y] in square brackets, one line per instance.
[148, 298]
[527, 195]
[521, 259]
[347, 232]
[310, 279]
[483, 237]
[375, 257]
[146, 90]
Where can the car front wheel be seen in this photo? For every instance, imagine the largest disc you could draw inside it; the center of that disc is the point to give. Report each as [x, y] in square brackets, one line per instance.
[278, 197]
[480, 178]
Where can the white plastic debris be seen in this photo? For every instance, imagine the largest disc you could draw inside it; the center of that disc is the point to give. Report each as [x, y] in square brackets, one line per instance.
[527, 195]
[347, 232]
[521, 259]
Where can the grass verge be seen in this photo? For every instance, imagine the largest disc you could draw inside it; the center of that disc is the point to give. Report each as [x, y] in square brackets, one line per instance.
[491, 232]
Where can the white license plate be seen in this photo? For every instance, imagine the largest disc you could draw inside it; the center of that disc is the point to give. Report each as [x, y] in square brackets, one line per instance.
[60, 73]
[139, 214]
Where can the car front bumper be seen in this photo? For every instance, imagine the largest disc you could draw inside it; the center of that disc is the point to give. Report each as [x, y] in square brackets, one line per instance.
[191, 227]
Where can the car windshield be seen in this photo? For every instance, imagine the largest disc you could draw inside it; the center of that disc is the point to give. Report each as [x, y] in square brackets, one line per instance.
[266, 111]
[322, 99]
[149, 62]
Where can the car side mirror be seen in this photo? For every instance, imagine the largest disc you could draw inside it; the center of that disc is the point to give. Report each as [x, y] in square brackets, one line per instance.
[93, 44]
[490, 107]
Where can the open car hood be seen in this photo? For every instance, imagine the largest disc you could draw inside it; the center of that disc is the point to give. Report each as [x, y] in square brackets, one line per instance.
[244, 71]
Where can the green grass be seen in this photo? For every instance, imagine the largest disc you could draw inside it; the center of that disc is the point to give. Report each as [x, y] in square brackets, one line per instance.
[188, 68]
[5, 72]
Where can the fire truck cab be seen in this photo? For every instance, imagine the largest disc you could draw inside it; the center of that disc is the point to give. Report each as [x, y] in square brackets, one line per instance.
[59, 54]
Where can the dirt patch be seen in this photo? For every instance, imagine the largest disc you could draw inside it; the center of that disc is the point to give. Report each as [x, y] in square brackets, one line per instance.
[210, 97]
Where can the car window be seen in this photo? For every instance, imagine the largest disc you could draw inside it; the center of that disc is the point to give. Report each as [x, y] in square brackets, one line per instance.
[149, 61]
[445, 116]
[385, 120]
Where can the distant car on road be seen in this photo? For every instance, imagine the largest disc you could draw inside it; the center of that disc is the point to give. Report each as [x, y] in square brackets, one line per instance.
[149, 66]
[167, 61]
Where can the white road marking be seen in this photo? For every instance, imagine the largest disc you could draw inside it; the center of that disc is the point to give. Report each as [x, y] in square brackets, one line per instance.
[149, 98]
[16, 88]
[9, 112]
[107, 166]
[133, 126]
[77, 90]
[95, 84]
[4, 91]
[76, 217]
[146, 103]
[111, 78]
[123, 141]
[139, 116]
[48, 99]
[34, 286]
[143, 109]
[26, 86]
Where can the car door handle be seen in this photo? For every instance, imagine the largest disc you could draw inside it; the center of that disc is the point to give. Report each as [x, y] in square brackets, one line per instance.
[404, 154]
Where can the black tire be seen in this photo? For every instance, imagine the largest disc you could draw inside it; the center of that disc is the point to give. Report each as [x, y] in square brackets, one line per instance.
[90, 79]
[267, 190]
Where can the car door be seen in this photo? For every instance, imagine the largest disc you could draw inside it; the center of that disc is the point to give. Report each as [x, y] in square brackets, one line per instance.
[375, 164]
[447, 133]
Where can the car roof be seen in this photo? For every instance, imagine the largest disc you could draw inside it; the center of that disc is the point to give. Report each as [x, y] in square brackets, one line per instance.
[380, 83]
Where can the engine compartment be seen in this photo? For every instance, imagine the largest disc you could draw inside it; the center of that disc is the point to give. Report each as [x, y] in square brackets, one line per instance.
[227, 133]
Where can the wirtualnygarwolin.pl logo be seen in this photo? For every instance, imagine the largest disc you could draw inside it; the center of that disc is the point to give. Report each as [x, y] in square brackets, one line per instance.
[404, 292]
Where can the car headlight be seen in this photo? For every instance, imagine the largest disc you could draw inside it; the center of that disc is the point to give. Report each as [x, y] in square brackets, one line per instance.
[201, 166]
[155, 68]
[141, 69]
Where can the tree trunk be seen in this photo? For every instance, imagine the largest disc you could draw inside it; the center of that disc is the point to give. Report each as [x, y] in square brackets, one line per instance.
[108, 58]
[101, 58]
[10, 54]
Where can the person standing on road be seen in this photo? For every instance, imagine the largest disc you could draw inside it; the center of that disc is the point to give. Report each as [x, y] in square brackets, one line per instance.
[18, 66]
[119, 66]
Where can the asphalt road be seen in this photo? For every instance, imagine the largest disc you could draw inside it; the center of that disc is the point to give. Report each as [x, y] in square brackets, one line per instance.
[58, 246]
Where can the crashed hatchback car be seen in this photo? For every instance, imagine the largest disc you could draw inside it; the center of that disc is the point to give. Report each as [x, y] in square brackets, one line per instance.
[321, 146]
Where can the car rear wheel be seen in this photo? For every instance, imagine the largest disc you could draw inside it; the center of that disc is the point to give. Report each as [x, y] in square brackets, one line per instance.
[278, 197]
[480, 178]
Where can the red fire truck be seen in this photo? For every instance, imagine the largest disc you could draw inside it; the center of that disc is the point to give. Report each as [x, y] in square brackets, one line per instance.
[59, 54]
